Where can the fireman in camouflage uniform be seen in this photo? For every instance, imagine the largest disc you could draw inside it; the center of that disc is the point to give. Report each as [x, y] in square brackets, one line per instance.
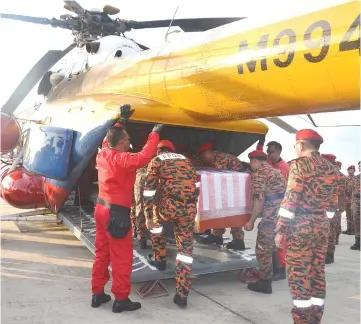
[224, 161]
[341, 202]
[174, 181]
[335, 221]
[355, 208]
[137, 211]
[348, 193]
[311, 197]
[268, 186]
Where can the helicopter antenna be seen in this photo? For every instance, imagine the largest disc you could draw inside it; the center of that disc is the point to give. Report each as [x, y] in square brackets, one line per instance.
[170, 25]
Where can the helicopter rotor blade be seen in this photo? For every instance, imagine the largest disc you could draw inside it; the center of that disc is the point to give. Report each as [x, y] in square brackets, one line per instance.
[282, 124]
[66, 24]
[110, 10]
[187, 25]
[34, 20]
[75, 7]
[31, 79]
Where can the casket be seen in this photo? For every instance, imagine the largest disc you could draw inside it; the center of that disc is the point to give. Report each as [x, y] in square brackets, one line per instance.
[224, 200]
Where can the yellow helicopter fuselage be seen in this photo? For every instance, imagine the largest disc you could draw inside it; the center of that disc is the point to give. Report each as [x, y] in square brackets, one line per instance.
[236, 72]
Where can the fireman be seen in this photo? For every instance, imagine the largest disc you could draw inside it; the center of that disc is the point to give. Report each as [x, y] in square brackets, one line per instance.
[225, 161]
[274, 150]
[172, 179]
[113, 243]
[335, 221]
[268, 187]
[137, 211]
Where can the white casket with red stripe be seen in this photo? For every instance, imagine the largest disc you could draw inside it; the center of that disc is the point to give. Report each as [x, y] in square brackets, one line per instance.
[224, 199]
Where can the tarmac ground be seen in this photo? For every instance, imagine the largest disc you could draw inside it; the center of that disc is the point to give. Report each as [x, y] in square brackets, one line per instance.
[46, 272]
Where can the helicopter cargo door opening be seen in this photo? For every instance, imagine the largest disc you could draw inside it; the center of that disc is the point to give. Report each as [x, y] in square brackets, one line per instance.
[207, 258]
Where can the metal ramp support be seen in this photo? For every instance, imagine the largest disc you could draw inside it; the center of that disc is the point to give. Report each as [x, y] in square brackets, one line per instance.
[152, 289]
[32, 215]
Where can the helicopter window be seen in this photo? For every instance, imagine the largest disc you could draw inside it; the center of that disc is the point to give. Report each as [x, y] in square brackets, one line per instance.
[118, 53]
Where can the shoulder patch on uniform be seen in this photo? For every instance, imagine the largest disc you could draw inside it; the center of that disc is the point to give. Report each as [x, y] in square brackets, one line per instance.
[171, 156]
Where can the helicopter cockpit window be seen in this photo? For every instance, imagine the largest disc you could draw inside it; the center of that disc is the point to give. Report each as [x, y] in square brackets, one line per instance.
[118, 53]
[123, 52]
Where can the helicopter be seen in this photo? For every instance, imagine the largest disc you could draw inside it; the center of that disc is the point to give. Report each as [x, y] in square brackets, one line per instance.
[207, 87]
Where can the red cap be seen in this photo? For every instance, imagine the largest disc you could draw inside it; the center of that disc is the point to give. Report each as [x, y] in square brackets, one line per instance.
[351, 167]
[256, 154]
[339, 163]
[167, 144]
[308, 134]
[205, 147]
[329, 157]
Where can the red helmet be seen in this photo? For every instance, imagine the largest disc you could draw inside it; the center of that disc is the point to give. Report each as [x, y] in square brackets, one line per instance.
[167, 144]
[205, 147]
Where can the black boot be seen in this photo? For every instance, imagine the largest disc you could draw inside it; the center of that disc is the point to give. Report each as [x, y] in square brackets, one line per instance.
[236, 244]
[210, 239]
[142, 243]
[279, 274]
[160, 265]
[125, 305]
[99, 299]
[356, 246]
[180, 301]
[330, 257]
[263, 286]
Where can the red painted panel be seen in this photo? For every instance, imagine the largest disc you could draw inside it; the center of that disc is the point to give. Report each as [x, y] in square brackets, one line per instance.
[9, 133]
[22, 189]
[55, 196]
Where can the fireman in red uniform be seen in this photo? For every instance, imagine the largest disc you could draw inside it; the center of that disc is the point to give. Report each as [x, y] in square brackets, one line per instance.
[113, 243]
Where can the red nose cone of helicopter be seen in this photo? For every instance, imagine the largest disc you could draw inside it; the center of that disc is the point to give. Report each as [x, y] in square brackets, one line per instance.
[9, 133]
[22, 189]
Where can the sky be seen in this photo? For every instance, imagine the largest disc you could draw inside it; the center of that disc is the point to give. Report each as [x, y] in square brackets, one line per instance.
[24, 44]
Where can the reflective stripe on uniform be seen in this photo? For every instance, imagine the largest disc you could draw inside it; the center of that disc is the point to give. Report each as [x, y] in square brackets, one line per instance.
[149, 193]
[286, 213]
[184, 258]
[156, 230]
[302, 303]
[317, 301]
[171, 156]
[330, 214]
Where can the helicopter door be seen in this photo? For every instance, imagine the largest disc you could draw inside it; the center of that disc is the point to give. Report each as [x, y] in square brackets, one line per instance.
[48, 150]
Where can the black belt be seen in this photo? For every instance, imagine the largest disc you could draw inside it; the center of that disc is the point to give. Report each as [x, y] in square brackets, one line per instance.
[104, 203]
[108, 204]
[357, 196]
[274, 197]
